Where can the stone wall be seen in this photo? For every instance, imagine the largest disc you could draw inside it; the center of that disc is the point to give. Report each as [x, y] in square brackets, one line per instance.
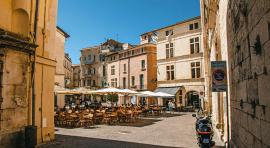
[15, 106]
[249, 52]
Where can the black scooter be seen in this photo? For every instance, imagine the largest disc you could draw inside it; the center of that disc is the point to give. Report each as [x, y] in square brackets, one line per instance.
[204, 131]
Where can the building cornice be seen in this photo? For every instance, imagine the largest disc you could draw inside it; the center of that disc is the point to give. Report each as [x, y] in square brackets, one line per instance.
[183, 57]
[181, 81]
[17, 42]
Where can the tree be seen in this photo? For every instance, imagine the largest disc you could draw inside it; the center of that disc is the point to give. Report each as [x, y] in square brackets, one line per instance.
[112, 98]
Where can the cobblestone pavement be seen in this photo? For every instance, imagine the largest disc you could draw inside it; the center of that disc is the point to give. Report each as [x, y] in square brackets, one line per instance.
[177, 131]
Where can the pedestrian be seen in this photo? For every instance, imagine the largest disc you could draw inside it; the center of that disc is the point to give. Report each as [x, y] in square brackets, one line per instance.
[170, 105]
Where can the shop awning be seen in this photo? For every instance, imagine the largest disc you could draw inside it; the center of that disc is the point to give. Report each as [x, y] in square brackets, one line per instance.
[168, 90]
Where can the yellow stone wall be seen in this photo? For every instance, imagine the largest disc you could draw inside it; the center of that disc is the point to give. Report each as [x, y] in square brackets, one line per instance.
[17, 16]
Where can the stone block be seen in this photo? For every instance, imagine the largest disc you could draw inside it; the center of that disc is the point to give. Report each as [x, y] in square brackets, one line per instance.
[265, 126]
[257, 143]
[8, 97]
[260, 112]
[254, 125]
[245, 137]
[264, 90]
[252, 90]
[243, 119]
[15, 74]
[13, 140]
[242, 91]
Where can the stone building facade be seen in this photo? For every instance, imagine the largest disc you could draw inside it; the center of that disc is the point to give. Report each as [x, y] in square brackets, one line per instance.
[90, 65]
[239, 33]
[68, 71]
[180, 61]
[27, 35]
[133, 68]
[94, 65]
[76, 75]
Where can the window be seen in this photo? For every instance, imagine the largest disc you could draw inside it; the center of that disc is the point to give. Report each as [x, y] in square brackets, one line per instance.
[141, 81]
[169, 50]
[194, 26]
[169, 32]
[170, 72]
[145, 37]
[94, 58]
[94, 70]
[114, 82]
[88, 82]
[124, 82]
[89, 57]
[94, 83]
[190, 26]
[125, 68]
[132, 80]
[195, 70]
[132, 52]
[143, 64]
[113, 70]
[142, 50]
[194, 45]
[89, 71]
[180, 96]
[104, 71]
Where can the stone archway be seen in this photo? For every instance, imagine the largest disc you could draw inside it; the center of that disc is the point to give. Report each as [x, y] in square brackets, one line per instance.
[19, 17]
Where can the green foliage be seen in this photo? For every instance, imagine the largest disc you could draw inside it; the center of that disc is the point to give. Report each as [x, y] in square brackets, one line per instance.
[112, 97]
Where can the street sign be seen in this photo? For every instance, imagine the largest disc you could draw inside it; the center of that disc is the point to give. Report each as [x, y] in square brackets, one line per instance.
[219, 76]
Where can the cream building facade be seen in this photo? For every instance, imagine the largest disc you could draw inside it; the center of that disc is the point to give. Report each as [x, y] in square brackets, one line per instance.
[180, 61]
[27, 71]
[60, 40]
[61, 64]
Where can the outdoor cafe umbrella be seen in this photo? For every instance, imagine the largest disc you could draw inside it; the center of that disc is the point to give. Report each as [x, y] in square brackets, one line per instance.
[163, 95]
[109, 91]
[60, 90]
[146, 94]
[130, 93]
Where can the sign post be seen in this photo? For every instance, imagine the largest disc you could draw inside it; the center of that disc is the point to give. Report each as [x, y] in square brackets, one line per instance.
[219, 84]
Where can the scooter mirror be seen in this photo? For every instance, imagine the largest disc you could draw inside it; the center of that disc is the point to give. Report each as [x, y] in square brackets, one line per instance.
[193, 115]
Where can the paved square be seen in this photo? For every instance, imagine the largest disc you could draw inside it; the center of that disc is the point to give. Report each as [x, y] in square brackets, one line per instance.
[175, 131]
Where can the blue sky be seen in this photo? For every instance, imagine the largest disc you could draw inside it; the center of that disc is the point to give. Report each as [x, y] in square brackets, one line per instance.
[90, 22]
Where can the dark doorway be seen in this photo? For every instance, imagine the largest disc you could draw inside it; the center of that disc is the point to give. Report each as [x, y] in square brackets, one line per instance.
[193, 99]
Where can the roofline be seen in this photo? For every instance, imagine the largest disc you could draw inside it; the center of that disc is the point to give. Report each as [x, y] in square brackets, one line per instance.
[138, 46]
[184, 21]
[65, 33]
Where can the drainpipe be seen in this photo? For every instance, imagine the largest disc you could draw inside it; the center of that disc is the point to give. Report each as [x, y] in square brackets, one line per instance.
[31, 130]
[34, 64]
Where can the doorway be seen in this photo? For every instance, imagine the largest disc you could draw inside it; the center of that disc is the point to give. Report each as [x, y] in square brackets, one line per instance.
[193, 99]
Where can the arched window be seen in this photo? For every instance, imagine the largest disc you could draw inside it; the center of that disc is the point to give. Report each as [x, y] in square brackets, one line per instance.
[20, 22]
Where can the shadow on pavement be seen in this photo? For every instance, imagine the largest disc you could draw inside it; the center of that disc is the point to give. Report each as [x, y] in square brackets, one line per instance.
[140, 123]
[63, 141]
[166, 115]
